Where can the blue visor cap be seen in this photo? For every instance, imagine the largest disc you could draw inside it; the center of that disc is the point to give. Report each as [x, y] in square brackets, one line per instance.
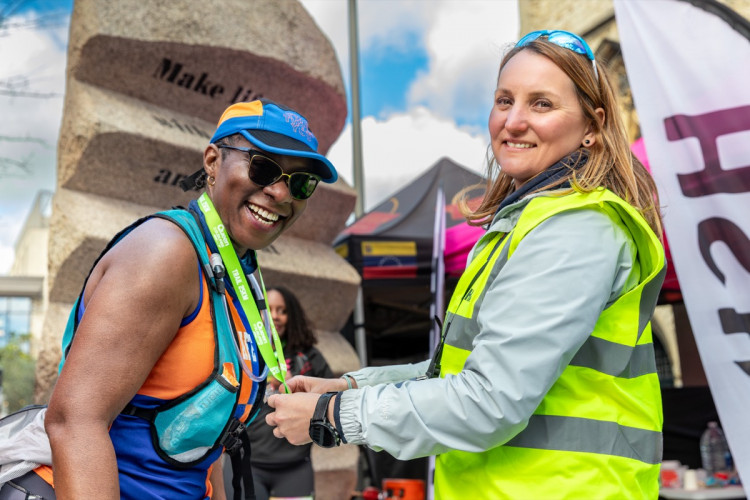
[275, 129]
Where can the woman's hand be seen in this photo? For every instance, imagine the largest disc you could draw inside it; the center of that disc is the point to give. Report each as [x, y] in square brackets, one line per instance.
[301, 383]
[291, 420]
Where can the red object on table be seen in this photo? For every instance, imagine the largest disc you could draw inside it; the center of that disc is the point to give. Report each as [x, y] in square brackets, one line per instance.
[370, 493]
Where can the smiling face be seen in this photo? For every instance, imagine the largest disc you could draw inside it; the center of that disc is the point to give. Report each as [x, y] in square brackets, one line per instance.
[536, 118]
[277, 306]
[254, 216]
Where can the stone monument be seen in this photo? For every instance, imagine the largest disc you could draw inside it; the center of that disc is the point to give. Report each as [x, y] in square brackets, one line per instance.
[146, 84]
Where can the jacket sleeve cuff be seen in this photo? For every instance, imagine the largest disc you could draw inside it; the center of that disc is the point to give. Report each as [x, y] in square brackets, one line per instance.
[347, 417]
[337, 416]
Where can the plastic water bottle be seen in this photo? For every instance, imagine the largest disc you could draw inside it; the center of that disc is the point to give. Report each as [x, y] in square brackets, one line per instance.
[715, 455]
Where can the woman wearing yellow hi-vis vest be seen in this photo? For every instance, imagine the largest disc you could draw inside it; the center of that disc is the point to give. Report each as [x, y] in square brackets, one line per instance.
[545, 386]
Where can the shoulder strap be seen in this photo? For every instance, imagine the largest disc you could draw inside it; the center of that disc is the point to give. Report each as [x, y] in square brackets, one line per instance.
[224, 326]
[188, 222]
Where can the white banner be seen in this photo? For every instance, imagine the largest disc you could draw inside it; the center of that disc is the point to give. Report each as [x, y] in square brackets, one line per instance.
[688, 63]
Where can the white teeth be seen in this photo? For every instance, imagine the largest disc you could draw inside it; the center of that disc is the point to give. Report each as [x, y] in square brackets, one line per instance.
[519, 145]
[263, 215]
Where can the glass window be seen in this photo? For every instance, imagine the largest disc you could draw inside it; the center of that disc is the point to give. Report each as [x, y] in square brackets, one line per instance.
[19, 305]
[17, 324]
[15, 319]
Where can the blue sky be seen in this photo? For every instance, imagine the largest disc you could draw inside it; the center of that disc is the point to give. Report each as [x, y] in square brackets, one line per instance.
[427, 75]
[388, 72]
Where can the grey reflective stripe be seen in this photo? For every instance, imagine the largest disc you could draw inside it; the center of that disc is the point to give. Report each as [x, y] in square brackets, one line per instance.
[649, 297]
[502, 259]
[615, 359]
[548, 432]
[461, 332]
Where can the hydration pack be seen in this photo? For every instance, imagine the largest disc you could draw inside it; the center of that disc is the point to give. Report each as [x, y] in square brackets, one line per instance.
[185, 430]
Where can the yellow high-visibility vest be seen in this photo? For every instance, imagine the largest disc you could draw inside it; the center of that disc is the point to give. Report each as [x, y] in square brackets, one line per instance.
[597, 432]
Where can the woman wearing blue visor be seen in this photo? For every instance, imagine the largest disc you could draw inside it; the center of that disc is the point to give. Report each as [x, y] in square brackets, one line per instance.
[545, 385]
[168, 348]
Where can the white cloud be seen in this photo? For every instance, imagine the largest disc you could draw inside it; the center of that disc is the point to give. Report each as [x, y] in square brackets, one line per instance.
[33, 62]
[6, 258]
[388, 23]
[381, 23]
[465, 44]
[464, 41]
[399, 149]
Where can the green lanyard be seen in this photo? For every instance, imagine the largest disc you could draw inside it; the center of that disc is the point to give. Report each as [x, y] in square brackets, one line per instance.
[276, 362]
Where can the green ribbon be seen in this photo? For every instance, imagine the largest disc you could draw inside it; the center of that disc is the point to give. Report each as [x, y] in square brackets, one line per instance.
[275, 361]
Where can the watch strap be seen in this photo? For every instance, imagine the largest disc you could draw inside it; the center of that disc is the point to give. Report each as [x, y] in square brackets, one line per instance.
[321, 409]
[321, 431]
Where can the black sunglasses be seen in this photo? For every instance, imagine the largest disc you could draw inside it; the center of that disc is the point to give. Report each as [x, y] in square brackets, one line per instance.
[263, 171]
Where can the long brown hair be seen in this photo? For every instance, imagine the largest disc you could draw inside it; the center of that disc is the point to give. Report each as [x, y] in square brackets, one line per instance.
[299, 333]
[610, 162]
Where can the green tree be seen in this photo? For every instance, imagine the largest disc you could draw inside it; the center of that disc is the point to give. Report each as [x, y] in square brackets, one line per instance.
[17, 374]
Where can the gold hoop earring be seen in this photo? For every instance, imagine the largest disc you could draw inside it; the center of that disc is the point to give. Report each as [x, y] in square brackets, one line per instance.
[211, 180]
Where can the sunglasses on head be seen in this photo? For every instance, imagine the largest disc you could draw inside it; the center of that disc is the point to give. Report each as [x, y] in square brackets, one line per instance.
[264, 171]
[564, 39]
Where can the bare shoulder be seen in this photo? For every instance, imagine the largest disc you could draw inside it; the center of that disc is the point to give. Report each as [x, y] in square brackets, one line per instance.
[159, 238]
[155, 258]
[135, 301]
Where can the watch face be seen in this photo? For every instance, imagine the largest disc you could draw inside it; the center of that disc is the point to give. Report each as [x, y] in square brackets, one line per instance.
[323, 435]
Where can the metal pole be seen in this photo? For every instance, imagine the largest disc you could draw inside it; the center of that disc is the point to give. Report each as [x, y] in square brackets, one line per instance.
[360, 338]
[359, 184]
[437, 274]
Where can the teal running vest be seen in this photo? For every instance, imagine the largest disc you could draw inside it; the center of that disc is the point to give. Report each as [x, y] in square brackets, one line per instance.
[185, 430]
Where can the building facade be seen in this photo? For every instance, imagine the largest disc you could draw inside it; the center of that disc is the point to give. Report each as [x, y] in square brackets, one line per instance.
[22, 291]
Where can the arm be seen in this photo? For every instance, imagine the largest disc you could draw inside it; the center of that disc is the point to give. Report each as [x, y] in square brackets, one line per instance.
[372, 375]
[218, 490]
[295, 417]
[132, 314]
[536, 314]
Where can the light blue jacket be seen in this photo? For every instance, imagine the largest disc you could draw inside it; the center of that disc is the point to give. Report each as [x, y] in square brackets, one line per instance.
[563, 274]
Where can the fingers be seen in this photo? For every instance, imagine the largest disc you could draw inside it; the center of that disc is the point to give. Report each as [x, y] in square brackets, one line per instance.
[301, 383]
[291, 420]
[298, 383]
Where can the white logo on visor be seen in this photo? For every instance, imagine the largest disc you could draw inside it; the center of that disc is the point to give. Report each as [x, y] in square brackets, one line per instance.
[299, 125]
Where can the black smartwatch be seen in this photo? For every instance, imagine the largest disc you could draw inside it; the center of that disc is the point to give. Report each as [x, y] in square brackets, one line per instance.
[322, 432]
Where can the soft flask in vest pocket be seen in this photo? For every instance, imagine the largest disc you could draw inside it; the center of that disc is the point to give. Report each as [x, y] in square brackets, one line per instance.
[187, 431]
